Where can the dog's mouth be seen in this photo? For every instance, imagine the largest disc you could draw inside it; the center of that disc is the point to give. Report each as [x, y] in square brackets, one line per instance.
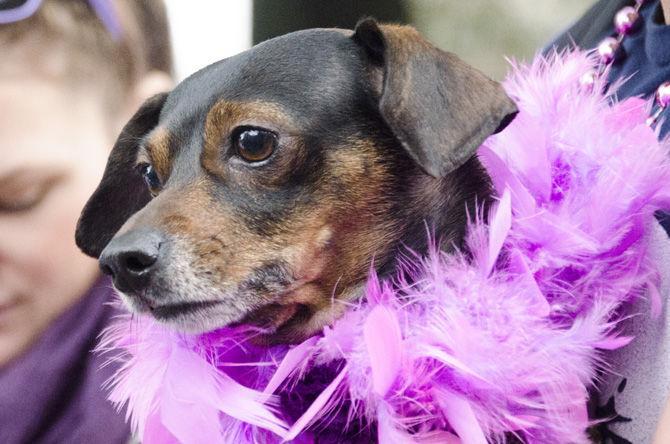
[171, 311]
[271, 317]
[201, 316]
[277, 314]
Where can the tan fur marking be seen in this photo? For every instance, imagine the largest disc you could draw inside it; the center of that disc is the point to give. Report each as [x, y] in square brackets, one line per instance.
[158, 150]
[373, 229]
[225, 116]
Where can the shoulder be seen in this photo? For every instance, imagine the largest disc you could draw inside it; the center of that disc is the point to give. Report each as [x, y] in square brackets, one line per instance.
[591, 27]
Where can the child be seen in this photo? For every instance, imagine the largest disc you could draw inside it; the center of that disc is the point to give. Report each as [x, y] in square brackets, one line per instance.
[72, 73]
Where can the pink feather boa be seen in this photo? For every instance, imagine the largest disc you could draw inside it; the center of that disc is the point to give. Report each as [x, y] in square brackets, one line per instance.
[475, 348]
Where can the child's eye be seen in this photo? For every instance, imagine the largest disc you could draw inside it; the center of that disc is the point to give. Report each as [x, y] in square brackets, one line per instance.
[150, 177]
[24, 203]
[27, 197]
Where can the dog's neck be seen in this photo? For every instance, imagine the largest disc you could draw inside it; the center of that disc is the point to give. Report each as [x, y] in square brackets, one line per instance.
[440, 209]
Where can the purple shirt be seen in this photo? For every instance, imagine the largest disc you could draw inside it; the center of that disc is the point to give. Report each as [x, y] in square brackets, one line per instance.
[53, 393]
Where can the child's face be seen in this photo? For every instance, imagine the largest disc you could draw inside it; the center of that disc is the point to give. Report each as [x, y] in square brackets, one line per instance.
[53, 147]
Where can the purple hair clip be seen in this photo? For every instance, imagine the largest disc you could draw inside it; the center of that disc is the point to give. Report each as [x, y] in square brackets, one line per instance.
[107, 15]
[16, 10]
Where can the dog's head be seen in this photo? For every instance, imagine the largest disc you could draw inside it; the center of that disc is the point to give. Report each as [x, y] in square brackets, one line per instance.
[261, 189]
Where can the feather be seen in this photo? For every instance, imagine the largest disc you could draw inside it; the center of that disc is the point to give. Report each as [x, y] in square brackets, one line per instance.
[613, 342]
[537, 301]
[293, 359]
[441, 437]
[249, 404]
[388, 431]
[317, 408]
[501, 222]
[504, 179]
[155, 431]
[157, 381]
[383, 341]
[461, 417]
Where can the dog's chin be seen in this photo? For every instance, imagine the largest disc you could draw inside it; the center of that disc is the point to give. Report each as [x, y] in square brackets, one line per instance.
[270, 321]
[188, 317]
[195, 317]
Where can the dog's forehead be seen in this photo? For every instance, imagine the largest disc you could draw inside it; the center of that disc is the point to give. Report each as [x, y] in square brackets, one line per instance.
[301, 71]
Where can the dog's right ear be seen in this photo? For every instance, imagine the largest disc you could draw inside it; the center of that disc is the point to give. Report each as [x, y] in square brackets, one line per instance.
[122, 191]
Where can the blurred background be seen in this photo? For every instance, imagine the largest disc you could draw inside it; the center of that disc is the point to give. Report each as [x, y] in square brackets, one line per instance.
[483, 32]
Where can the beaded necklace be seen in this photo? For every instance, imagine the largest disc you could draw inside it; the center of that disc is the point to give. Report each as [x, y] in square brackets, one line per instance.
[626, 21]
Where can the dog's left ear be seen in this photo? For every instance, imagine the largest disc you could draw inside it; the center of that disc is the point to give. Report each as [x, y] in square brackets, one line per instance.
[440, 108]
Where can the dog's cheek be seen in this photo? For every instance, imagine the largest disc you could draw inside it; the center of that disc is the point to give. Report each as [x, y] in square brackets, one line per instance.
[309, 250]
[366, 226]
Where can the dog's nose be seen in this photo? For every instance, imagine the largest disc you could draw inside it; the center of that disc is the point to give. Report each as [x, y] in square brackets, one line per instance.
[131, 259]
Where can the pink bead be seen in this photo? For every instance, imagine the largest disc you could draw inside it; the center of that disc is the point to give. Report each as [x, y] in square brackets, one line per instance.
[607, 49]
[663, 95]
[625, 19]
[588, 79]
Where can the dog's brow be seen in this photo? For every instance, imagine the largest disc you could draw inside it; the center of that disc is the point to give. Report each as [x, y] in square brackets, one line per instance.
[157, 146]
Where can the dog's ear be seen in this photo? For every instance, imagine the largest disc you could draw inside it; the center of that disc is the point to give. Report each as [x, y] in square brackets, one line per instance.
[440, 108]
[122, 191]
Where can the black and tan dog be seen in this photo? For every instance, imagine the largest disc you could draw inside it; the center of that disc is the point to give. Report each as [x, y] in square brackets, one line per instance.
[263, 186]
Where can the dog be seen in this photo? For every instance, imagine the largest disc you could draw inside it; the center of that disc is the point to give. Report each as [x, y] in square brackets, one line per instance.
[262, 189]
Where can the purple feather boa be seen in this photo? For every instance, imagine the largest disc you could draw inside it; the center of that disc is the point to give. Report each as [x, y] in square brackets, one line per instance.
[477, 348]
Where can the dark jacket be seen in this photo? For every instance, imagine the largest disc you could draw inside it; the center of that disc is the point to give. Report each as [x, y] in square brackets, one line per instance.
[592, 27]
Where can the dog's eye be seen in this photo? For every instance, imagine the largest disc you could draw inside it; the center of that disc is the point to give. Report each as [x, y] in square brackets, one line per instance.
[150, 177]
[254, 145]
